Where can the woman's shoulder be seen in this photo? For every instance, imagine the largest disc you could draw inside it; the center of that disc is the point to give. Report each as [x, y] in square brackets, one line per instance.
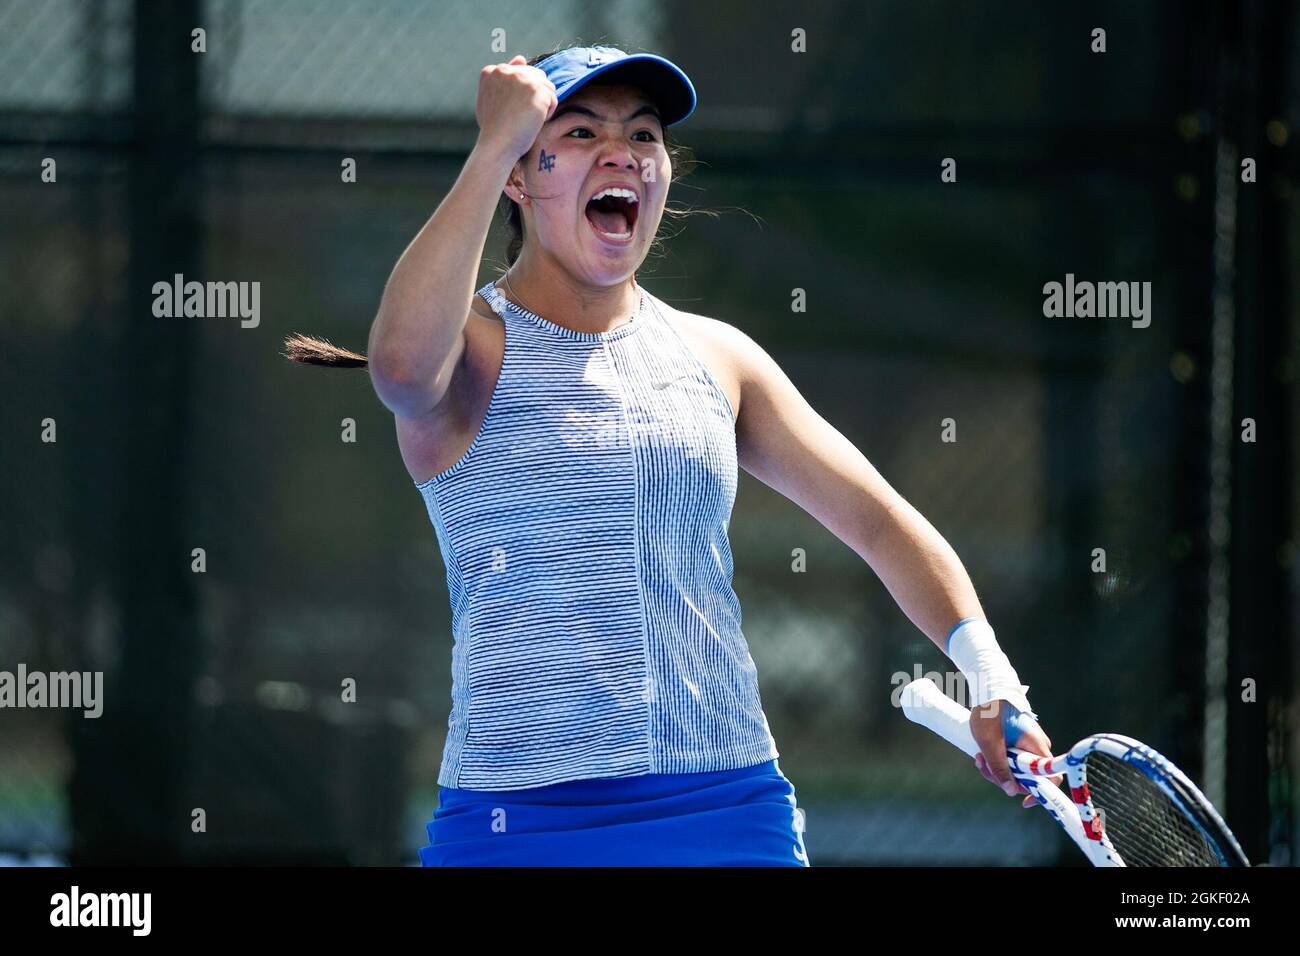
[724, 338]
[722, 332]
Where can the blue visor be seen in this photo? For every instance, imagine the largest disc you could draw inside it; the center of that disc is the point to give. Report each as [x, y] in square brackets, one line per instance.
[661, 80]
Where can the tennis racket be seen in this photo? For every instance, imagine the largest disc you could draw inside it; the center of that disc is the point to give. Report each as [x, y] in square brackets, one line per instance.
[1128, 805]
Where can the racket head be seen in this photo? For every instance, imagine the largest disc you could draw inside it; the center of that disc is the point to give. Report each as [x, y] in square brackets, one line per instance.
[1151, 812]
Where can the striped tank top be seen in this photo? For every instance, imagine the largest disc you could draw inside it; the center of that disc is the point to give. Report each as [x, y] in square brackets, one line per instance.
[584, 532]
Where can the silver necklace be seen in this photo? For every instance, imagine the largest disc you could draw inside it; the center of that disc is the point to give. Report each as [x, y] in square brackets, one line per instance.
[515, 295]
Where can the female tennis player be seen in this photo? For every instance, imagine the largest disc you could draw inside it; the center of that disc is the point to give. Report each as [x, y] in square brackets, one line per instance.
[576, 442]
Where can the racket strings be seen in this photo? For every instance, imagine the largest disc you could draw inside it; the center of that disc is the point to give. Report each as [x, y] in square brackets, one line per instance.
[1146, 827]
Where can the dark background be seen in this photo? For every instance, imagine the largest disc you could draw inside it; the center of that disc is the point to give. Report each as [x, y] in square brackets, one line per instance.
[924, 303]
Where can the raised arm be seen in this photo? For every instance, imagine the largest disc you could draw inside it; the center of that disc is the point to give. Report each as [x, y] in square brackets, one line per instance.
[418, 334]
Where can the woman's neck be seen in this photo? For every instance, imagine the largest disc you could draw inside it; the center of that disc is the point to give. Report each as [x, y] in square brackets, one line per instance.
[556, 297]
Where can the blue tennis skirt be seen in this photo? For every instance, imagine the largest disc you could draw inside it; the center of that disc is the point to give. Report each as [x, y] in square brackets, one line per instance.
[744, 817]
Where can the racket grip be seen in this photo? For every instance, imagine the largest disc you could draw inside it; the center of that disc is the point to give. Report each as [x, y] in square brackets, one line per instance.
[924, 704]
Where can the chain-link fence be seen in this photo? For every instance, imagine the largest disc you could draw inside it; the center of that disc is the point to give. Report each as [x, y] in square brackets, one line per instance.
[1029, 442]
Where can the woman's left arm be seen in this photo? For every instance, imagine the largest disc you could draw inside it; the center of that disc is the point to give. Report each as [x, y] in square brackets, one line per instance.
[786, 444]
[782, 441]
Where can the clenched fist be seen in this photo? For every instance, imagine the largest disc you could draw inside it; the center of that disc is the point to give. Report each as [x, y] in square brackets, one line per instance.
[514, 100]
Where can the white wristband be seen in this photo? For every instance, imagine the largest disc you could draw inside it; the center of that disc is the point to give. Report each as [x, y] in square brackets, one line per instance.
[988, 672]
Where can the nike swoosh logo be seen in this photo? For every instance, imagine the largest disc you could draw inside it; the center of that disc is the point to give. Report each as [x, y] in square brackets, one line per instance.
[669, 382]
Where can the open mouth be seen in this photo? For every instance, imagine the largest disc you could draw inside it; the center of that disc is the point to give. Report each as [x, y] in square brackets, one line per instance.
[612, 213]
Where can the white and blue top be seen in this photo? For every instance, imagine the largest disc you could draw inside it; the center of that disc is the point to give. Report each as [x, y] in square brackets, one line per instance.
[596, 632]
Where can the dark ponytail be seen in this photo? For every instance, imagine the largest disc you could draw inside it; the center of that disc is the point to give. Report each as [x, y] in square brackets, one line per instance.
[313, 351]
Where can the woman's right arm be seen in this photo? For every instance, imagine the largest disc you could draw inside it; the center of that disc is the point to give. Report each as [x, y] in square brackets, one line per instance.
[417, 337]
